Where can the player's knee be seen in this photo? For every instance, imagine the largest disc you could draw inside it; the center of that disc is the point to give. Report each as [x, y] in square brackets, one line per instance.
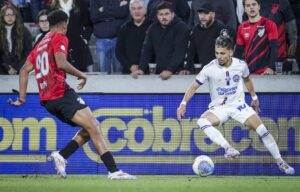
[203, 123]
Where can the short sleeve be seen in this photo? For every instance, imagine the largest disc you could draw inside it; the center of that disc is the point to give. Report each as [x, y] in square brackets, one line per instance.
[202, 76]
[246, 71]
[30, 57]
[60, 44]
[239, 39]
[272, 30]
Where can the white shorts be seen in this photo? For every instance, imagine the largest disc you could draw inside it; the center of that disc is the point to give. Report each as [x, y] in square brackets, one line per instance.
[239, 112]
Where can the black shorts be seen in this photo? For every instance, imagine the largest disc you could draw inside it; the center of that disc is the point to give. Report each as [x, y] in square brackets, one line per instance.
[65, 108]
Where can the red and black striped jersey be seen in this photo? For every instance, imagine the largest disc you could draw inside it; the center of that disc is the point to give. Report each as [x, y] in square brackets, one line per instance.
[256, 37]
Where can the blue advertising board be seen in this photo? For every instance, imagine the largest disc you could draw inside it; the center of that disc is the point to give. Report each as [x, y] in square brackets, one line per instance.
[145, 137]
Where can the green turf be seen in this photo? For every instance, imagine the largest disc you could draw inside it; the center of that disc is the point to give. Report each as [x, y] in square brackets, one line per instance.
[85, 183]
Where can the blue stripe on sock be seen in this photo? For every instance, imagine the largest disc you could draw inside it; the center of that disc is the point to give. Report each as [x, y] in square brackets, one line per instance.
[204, 127]
[264, 135]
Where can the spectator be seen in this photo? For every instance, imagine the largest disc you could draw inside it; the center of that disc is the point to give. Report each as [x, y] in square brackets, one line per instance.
[131, 37]
[15, 41]
[166, 40]
[202, 38]
[79, 31]
[180, 7]
[281, 13]
[42, 21]
[257, 40]
[107, 17]
[224, 9]
[296, 8]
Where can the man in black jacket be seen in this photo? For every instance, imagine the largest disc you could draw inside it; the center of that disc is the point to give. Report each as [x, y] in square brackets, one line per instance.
[203, 36]
[131, 37]
[166, 41]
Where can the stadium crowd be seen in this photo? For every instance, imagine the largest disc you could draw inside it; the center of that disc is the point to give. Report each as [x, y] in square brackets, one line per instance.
[127, 35]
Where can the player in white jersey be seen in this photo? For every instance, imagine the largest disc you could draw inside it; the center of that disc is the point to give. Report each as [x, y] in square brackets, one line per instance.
[226, 76]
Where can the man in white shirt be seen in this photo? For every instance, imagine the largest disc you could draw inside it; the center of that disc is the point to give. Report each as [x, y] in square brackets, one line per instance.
[224, 75]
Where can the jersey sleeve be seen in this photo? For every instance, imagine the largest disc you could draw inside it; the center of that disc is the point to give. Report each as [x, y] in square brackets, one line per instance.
[272, 30]
[239, 38]
[246, 71]
[60, 44]
[30, 58]
[202, 76]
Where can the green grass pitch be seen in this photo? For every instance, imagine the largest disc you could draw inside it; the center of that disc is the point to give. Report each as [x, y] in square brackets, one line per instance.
[148, 183]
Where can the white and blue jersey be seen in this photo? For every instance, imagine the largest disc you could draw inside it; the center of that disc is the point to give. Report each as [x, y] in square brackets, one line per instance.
[225, 84]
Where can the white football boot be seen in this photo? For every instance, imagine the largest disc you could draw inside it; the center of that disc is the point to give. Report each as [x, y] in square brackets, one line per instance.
[284, 167]
[120, 175]
[231, 153]
[60, 163]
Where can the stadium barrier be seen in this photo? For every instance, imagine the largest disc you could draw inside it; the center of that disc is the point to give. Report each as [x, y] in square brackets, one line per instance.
[138, 120]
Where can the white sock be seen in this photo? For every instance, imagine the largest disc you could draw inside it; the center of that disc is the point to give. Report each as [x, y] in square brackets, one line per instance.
[268, 141]
[213, 134]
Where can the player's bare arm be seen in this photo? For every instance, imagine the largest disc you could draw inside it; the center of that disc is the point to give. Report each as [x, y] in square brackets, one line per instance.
[187, 96]
[63, 64]
[249, 85]
[23, 81]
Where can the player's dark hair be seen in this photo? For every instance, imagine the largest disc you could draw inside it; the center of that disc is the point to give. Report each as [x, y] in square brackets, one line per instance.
[164, 5]
[56, 17]
[258, 1]
[224, 41]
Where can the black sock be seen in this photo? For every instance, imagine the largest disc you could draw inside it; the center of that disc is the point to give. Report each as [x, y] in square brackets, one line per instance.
[69, 149]
[109, 162]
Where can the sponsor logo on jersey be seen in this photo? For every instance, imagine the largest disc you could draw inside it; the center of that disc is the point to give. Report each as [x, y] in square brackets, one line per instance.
[246, 35]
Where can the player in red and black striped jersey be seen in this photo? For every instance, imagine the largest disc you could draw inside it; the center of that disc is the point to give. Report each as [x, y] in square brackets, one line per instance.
[281, 12]
[257, 40]
[49, 62]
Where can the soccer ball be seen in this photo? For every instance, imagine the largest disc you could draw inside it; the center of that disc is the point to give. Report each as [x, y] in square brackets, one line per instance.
[203, 166]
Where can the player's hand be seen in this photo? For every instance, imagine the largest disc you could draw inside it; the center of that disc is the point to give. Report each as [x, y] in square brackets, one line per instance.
[292, 50]
[184, 72]
[268, 71]
[255, 105]
[181, 111]
[136, 74]
[165, 75]
[16, 103]
[82, 82]
[12, 71]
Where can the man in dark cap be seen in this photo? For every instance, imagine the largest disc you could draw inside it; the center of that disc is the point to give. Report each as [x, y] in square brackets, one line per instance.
[224, 12]
[203, 36]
